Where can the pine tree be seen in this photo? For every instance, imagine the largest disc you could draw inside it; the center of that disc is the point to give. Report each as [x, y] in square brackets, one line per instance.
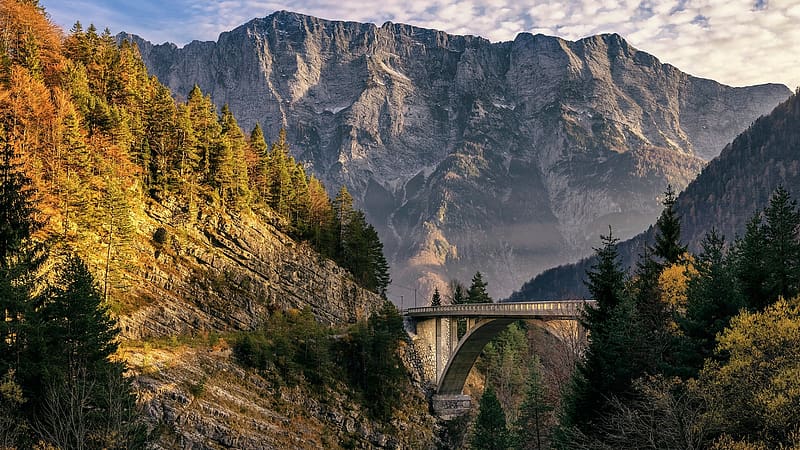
[607, 368]
[713, 298]
[436, 300]
[533, 412]
[750, 256]
[490, 431]
[782, 252]
[668, 231]
[477, 290]
[18, 260]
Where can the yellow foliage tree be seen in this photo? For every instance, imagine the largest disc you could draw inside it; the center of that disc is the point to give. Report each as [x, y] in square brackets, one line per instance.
[754, 396]
[674, 281]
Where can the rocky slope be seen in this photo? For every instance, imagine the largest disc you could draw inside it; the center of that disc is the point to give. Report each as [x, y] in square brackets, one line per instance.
[724, 196]
[226, 273]
[470, 155]
[199, 279]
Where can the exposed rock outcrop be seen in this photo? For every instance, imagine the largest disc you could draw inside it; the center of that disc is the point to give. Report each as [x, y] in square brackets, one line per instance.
[468, 155]
[224, 273]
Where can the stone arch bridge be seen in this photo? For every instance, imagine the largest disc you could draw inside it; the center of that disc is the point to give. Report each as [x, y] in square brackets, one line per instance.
[447, 360]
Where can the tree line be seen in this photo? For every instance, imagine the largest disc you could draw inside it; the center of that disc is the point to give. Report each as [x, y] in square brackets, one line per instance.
[687, 351]
[98, 136]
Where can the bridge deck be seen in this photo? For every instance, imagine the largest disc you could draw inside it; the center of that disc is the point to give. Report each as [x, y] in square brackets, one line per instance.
[562, 309]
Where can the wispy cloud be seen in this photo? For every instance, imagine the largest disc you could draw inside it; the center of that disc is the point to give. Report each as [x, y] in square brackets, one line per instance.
[738, 42]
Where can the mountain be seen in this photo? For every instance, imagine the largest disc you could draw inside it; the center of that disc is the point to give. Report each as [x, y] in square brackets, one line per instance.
[468, 155]
[724, 196]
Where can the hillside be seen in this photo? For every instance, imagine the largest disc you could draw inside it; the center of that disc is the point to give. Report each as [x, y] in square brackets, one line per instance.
[191, 235]
[469, 155]
[724, 196]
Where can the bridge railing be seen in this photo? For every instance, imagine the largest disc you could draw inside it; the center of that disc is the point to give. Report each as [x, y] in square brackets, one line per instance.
[541, 308]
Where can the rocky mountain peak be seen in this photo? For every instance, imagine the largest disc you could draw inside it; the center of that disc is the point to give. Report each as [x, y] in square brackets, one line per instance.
[470, 155]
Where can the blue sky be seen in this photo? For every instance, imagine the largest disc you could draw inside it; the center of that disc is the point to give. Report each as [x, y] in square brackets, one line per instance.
[737, 42]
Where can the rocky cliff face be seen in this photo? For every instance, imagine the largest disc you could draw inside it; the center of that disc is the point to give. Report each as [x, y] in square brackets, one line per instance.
[227, 273]
[467, 155]
[203, 276]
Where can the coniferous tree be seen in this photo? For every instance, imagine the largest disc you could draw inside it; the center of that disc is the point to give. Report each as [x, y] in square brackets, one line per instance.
[782, 252]
[236, 191]
[258, 145]
[654, 318]
[69, 360]
[436, 300]
[607, 368]
[713, 298]
[18, 263]
[750, 259]
[533, 412]
[477, 290]
[668, 231]
[490, 431]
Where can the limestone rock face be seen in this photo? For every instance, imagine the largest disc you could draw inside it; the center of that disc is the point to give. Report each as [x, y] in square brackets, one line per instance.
[468, 155]
[227, 273]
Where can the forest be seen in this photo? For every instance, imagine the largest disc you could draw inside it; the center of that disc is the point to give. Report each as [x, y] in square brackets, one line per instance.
[86, 138]
[689, 351]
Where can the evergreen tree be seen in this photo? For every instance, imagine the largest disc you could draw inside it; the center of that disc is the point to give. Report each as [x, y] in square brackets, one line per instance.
[490, 431]
[668, 231]
[607, 368]
[477, 290]
[533, 413]
[279, 178]
[750, 256]
[655, 320]
[18, 263]
[782, 252]
[232, 161]
[69, 360]
[258, 145]
[458, 293]
[713, 298]
[436, 300]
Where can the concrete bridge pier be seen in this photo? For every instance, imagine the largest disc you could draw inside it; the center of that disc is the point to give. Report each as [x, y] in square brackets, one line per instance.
[449, 407]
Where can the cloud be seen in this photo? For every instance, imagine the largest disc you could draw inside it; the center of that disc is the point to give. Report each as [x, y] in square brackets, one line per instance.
[737, 42]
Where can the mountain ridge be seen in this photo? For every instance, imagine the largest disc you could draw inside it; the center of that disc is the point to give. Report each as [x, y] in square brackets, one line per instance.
[730, 189]
[415, 121]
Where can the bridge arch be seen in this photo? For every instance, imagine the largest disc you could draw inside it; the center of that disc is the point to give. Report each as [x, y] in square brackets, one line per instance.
[448, 359]
[466, 353]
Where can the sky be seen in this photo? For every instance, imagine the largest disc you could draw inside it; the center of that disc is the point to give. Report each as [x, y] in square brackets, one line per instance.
[736, 42]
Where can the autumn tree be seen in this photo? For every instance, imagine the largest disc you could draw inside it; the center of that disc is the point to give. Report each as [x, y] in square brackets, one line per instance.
[753, 394]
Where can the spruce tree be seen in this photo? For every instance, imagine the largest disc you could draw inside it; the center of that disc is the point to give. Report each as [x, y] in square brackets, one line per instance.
[490, 431]
[713, 298]
[477, 290]
[668, 231]
[750, 257]
[654, 318]
[436, 300]
[530, 426]
[782, 252]
[607, 368]
[18, 260]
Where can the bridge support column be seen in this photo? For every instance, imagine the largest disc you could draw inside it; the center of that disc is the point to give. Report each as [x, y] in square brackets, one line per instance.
[448, 407]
